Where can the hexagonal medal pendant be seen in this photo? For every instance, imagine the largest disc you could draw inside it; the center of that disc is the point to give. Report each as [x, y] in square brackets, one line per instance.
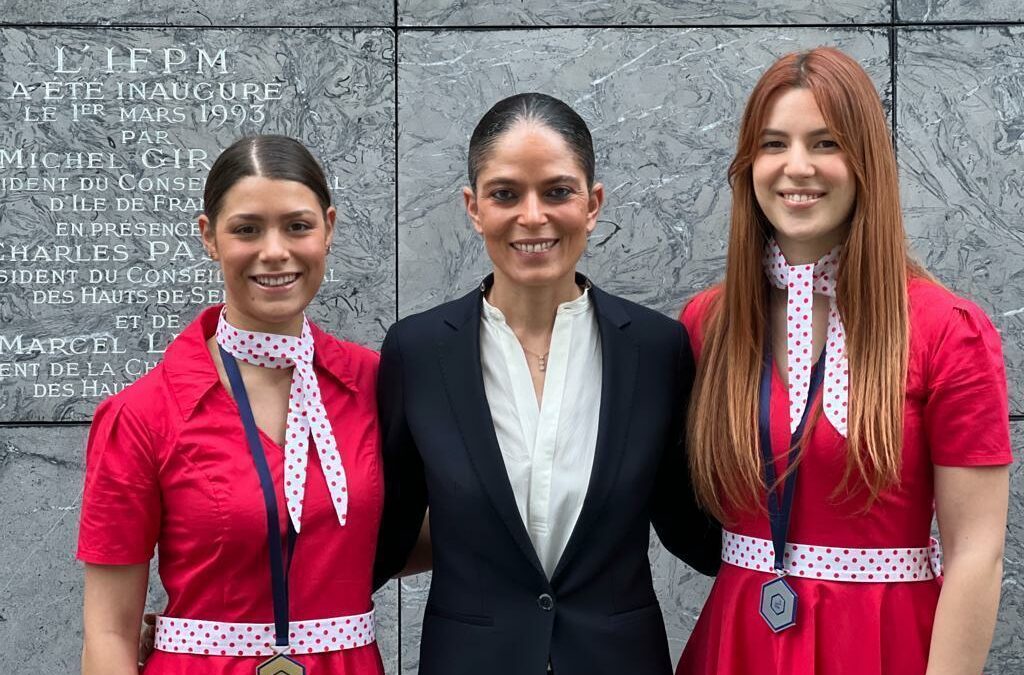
[280, 665]
[778, 604]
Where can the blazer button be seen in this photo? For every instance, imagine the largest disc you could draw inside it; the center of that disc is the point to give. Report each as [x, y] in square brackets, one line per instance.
[545, 602]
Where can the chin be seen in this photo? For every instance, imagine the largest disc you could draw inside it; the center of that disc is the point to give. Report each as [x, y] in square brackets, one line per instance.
[272, 315]
[806, 234]
[538, 278]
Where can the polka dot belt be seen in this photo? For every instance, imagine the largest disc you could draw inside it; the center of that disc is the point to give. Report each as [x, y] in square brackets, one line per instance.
[835, 563]
[219, 638]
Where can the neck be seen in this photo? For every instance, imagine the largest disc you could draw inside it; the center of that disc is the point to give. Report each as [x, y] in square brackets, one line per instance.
[807, 252]
[531, 309]
[290, 326]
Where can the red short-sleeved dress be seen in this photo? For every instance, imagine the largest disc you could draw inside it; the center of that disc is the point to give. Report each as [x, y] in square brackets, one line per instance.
[167, 465]
[956, 415]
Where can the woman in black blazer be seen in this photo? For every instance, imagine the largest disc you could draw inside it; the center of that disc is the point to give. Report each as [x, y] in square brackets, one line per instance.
[540, 419]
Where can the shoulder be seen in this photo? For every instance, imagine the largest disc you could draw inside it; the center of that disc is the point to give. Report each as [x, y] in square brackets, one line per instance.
[698, 306]
[346, 360]
[936, 313]
[930, 301]
[144, 409]
[147, 397]
[648, 326]
[696, 311]
[424, 328]
[948, 332]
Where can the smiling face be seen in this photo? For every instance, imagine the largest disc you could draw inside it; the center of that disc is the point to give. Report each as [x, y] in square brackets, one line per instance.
[533, 208]
[802, 180]
[271, 239]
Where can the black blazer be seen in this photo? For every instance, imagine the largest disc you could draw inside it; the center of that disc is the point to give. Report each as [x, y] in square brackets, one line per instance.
[491, 609]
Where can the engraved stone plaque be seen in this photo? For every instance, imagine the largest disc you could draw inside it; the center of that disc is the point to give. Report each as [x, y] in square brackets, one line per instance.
[109, 138]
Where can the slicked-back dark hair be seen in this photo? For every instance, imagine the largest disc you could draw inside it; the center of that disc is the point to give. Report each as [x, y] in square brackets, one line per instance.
[539, 109]
[269, 156]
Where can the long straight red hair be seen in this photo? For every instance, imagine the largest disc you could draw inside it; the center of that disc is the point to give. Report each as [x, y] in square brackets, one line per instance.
[871, 295]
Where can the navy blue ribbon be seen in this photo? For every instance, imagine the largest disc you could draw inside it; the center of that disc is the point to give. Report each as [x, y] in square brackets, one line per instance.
[779, 514]
[278, 570]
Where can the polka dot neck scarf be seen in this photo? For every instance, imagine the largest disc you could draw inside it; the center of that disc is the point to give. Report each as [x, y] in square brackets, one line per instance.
[801, 282]
[306, 413]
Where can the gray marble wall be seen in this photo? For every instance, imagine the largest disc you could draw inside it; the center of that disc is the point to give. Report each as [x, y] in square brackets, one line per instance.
[386, 95]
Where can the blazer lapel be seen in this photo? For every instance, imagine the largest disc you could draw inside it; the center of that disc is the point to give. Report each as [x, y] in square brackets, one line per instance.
[459, 352]
[619, 356]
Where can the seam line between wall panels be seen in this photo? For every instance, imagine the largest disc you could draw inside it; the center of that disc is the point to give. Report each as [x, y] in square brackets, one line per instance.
[947, 25]
[893, 54]
[398, 583]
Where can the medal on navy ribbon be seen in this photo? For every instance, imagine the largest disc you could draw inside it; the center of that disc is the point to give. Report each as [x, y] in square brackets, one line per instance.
[778, 604]
[280, 664]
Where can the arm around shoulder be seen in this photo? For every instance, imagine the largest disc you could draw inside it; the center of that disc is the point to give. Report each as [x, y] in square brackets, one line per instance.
[682, 526]
[405, 492]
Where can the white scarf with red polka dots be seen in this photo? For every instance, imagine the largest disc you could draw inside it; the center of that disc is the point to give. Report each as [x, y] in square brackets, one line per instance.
[801, 282]
[306, 413]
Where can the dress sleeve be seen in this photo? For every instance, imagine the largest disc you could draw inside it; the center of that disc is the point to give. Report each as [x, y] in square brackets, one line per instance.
[120, 518]
[967, 411]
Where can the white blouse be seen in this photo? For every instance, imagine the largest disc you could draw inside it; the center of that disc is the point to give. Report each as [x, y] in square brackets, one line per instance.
[548, 450]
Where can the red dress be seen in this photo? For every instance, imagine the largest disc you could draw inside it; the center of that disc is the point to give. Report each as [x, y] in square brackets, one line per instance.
[956, 415]
[167, 465]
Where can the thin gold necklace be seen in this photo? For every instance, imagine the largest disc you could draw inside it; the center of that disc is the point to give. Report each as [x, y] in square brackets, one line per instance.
[542, 359]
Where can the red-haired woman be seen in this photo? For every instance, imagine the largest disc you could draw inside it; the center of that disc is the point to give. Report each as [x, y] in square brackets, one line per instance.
[837, 372]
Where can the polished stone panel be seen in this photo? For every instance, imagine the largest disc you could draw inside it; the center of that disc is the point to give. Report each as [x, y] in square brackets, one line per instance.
[387, 612]
[960, 131]
[202, 12]
[638, 12]
[414, 602]
[40, 582]
[101, 178]
[681, 592]
[663, 106]
[924, 11]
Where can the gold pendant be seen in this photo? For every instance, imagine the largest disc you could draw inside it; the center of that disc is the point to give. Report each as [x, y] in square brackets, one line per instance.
[280, 665]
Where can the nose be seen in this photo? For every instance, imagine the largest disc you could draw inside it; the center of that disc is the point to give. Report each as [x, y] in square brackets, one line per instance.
[274, 246]
[798, 162]
[532, 212]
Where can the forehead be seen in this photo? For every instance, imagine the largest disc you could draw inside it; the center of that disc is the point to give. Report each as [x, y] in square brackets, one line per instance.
[794, 111]
[268, 195]
[527, 147]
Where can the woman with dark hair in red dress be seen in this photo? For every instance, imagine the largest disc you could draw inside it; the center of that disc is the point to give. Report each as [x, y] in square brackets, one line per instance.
[249, 457]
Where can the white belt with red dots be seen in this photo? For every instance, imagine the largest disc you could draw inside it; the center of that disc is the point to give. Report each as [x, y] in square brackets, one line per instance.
[219, 638]
[835, 563]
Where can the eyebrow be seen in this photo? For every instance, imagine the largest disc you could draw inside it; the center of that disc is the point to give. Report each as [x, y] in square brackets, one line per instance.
[775, 132]
[565, 178]
[260, 216]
